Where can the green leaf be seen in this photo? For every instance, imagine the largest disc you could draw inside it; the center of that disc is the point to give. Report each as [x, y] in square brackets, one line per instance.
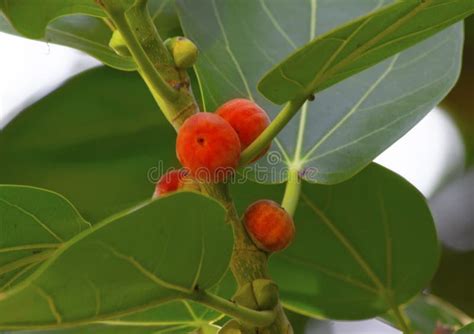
[350, 49]
[89, 34]
[30, 18]
[98, 140]
[348, 124]
[469, 329]
[427, 311]
[361, 247]
[163, 13]
[298, 321]
[133, 261]
[33, 224]
[173, 317]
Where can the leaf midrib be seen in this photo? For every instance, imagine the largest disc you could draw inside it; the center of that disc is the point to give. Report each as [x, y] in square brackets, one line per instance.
[347, 245]
[33, 217]
[360, 51]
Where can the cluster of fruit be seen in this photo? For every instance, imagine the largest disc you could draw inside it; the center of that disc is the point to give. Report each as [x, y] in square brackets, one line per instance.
[208, 146]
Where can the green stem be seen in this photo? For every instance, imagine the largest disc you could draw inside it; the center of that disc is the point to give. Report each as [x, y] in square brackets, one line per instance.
[154, 63]
[282, 119]
[292, 192]
[402, 320]
[243, 314]
[248, 262]
[22, 262]
[161, 90]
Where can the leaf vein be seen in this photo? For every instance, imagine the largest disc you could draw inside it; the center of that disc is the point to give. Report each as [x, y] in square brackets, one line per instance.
[28, 247]
[159, 10]
[15, 277]
[35, 218]
[346, 244]
[137, 265]
[50, 301]
[276, 24]
[229, 50]
[353, 110]
[201, 261]
[355, 141]
[339, 276]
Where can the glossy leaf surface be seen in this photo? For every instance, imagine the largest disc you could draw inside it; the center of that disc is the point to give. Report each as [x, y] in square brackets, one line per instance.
[348, 124]
[133, 261]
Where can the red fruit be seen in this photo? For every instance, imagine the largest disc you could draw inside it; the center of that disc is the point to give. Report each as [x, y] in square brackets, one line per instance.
[269, 225]
[170, 182]
[247, 119]
[208, 147]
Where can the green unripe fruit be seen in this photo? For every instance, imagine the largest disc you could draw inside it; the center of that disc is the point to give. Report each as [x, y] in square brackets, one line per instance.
[118, 44]
[184, 51]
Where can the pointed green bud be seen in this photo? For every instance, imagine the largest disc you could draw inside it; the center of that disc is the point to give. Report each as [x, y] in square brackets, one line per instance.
[245, 297]
[183, 50]
[266, 293]
[261, 294]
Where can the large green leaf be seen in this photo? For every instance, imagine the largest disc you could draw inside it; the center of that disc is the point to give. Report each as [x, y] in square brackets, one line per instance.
[86, 33]
[173, 317]
[133, 261]
[33, 224]
[99, 140]
[358, 45]
[361, 246]
[348, 124]
[30, 18]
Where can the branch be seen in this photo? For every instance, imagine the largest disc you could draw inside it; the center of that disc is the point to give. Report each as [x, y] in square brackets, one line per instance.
[155, 64]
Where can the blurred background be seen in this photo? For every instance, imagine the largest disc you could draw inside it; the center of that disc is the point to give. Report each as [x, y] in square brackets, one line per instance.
[437, 156]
